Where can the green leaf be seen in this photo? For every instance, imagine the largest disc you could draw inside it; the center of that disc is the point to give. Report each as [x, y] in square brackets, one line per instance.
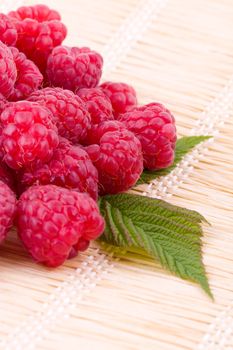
[167, 232]
[183, 146]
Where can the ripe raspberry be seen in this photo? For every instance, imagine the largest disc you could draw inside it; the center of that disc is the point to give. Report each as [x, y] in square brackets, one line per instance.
[1, 148]
[122, 96]
[117, 156]
[6, 176]
[8, 72]
[69, 167]
[154, 125]
[8, 32]
[7, 209]
[28, 79]
[69, 114]
[39, 31]
[28, 134]
[52, 221]
[3, 103]
[97, 131]
[97, 104]
[41, 13]
[74, 68]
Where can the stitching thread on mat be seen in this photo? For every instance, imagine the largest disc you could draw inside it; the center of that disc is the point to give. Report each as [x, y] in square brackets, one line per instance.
[214, 116]
[130, 32]
[220, 333]
[85, 278]
[60, 304]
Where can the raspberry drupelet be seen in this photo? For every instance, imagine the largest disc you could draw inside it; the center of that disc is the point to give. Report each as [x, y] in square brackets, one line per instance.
[97, 103]
[28, 134]
[40, 13]
[7, 209]
[53, 222]
[69, 113]
[28, 78]
[7, 175]
[117, 155]
[70, 167]
[8, 71]
[3, 103]
[122, 96]
[74, 68]
[8, 32]
[39, 31]
[154, 125]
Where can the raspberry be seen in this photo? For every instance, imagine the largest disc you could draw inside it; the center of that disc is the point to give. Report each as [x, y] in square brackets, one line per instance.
[99, 130]
[53, 221]
[28, 134]
[28, 79]
[7, 209]
[41, 13]
[39, 31]
[69, 167]
[97, 104]
[3, 103]
[74, 68]
[122, 96]
[117, 156]
[154, 125]
[8, 72]
[8, 32]
[68, 111]
[7, 176]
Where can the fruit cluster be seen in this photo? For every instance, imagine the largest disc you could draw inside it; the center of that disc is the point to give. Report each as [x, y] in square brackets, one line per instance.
[65, 138]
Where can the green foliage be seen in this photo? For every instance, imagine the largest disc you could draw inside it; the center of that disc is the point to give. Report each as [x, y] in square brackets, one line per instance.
[166, 232]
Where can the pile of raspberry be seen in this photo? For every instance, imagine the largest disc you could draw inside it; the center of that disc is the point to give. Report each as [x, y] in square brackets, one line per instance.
[66, 139]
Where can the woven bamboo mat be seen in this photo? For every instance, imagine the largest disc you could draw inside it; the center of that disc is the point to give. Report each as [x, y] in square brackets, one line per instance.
[180, 53]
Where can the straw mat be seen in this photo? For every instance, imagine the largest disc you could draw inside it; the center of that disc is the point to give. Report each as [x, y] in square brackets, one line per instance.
[179, 53]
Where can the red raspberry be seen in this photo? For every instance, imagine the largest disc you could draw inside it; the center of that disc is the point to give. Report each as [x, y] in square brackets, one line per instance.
[28, 79]
[52, 221]
[28, 134]
[97, 104]
[3, 103]
[6, 176]
[69, 167]
[74, 68]
[154, 125]
[117, 156]
[68, 111]
[1, 148]
[122, 96]
[7, 209]
[41, 13]
[8, 32]
[99, 130]
[8, 72]
[39, 31]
